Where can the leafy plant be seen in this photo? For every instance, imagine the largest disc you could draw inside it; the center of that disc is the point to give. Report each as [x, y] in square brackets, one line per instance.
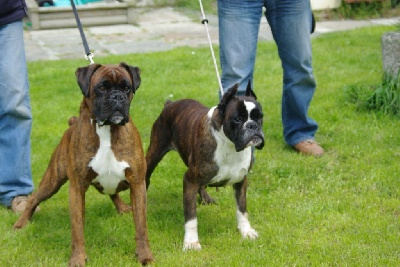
[358, 94]
[384, 98]
[361, 10]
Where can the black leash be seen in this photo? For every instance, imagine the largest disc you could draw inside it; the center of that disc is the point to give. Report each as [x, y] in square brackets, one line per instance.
[88, 55]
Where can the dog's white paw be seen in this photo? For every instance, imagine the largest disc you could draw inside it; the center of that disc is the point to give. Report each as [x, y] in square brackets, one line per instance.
[244, 226]
[191, 246]
[249, 233]
[191, 240]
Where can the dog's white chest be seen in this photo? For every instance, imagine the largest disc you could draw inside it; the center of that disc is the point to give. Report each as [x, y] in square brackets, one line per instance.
[233, 166]
[110, 171]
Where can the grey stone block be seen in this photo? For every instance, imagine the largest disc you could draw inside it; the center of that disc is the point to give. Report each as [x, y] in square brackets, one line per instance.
[391, 52]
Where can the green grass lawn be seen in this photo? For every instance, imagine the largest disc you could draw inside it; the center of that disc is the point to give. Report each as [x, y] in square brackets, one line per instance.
[339, 210]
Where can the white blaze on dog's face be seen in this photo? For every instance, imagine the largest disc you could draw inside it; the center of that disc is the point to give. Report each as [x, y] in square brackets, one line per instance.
[241, 117]
[243, 123]
[251, 123]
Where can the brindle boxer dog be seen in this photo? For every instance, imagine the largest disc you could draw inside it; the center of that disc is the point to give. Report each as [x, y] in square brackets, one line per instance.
[216, 146]
[102, 147]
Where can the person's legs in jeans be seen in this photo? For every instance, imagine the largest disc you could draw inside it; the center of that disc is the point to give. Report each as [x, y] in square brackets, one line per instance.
[239, 23]
[15, 116]
[291, 22]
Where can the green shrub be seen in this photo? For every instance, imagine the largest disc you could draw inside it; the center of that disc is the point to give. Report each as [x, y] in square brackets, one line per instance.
[361, 10]
[384, 98]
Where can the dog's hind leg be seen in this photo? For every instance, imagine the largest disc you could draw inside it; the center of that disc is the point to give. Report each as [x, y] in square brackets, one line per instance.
[160, 144]
[241, 213]
[119, 204]
[54, 177]
[47, 188]
[205, 197]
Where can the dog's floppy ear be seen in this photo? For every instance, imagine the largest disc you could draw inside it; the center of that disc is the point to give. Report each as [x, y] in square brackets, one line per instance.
[249, 91]
[83, 76]
[134, 72]
[227, 97]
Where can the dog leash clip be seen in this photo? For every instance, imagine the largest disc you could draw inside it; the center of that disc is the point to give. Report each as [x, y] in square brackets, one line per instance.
[90, 57]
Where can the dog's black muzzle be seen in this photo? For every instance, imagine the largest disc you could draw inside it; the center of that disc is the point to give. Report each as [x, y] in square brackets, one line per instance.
[114, 109]
[250, 135]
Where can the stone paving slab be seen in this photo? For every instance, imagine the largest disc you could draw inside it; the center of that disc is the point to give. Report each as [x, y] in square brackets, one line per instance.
[158, 29]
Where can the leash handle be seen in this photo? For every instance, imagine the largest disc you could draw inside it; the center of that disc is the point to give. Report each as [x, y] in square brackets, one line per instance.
[88, 54]
[205, 22]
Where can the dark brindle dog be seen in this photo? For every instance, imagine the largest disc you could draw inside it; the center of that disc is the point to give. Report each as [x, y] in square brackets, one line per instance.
[102, 147]
[215, 144]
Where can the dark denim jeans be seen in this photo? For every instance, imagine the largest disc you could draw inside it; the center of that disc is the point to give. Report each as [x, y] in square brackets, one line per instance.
[290, 22]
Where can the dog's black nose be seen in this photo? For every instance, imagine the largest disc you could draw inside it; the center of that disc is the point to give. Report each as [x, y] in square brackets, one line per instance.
[118, 97]
[252, 125]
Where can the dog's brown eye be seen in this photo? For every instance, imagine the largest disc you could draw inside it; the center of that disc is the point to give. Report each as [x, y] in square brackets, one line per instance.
[102, 88]
[238, 119]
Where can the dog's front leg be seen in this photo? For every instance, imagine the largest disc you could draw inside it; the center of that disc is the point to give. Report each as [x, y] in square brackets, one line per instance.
[139, 209]
[77, 216]
[190, 189]
[241, 212]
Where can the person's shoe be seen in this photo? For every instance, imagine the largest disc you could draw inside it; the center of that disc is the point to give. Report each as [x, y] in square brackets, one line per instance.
[309, 147]
[18, 204]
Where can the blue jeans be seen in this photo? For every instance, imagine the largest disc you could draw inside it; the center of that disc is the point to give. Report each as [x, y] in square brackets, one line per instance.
[15, 115]
[290, 22]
